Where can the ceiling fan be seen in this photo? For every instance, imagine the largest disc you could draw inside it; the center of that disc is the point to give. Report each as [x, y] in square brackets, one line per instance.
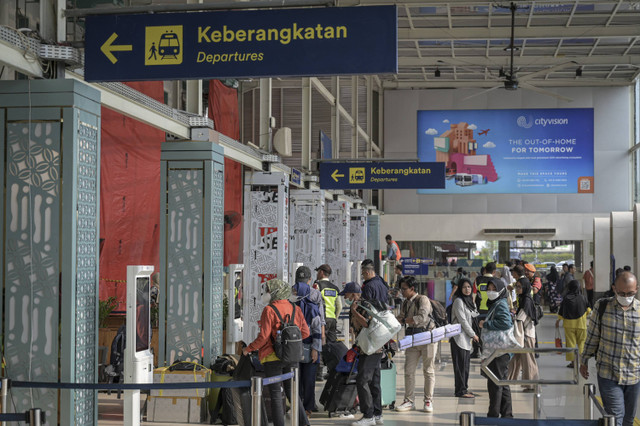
[510, 81]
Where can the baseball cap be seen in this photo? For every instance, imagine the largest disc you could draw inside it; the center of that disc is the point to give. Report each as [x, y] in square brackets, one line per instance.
[529, 267]
[324, 268]
[303, 273]
[350, 287]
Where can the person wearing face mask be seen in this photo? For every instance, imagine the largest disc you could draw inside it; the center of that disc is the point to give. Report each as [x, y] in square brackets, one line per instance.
[309, 301]
[613, 337]
[526, 316]
[278, 293]
[574, 311]
[498, 318]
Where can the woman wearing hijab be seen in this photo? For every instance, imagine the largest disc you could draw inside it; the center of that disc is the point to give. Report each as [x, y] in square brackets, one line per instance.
[278, 293]
[309, 300]
[573, 313]
[463, 312]
[498, 318]
[555, 297]
[525, 318]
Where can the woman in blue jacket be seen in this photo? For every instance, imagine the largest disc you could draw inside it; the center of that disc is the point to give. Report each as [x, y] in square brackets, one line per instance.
[498, 318]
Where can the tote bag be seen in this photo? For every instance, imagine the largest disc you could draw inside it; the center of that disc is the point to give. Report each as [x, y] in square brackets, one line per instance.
[497, 339]
[382, 327]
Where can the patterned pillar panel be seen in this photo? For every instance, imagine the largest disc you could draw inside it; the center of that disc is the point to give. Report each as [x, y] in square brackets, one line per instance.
[191, 252]
[373, 235]
[358, 238]
[337, 241]
[307, 228]
[51, 162]
[266, 236]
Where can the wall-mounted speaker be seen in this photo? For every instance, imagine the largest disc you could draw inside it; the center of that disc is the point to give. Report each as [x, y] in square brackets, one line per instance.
[282, 141]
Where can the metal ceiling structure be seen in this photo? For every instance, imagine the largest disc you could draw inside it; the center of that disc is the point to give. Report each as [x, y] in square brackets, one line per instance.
[468, 42]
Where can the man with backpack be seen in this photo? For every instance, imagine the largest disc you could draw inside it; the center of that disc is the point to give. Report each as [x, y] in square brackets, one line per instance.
[416, 314]
[279, 345]
[613, 337]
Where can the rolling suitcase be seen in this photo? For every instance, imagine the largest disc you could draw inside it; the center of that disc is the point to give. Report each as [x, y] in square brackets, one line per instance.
[242, 396]
[340, 392]
[388, 385]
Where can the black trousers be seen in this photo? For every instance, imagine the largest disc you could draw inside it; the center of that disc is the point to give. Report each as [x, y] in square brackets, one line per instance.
[461, 365]
[590, 297]
[499, 396]
[331, 330]
[368, 385]
[276, 368]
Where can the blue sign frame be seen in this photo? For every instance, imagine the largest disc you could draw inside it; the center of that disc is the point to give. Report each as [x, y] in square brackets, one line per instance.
[381, 175]
[236, 44]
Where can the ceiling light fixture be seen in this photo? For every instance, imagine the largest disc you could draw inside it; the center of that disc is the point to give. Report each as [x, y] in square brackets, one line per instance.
[579, 72]
[437, 73]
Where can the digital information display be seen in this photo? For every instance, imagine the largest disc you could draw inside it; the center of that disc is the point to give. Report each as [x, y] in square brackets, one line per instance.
[510, 151]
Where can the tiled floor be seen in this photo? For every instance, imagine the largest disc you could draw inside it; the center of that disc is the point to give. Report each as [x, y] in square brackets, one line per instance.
[560, 401]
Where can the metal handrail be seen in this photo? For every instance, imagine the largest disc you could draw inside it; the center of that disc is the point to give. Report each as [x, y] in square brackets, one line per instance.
[590, 400]
[537, 397]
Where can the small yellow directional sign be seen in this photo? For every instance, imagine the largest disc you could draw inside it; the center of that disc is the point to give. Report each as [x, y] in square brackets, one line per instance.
[335, 175]
[107, 48]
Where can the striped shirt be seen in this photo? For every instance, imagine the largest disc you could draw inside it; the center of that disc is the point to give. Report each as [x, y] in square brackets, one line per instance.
[615, 343]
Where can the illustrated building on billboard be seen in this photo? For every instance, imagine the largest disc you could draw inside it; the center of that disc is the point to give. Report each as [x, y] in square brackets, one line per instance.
[457, 149]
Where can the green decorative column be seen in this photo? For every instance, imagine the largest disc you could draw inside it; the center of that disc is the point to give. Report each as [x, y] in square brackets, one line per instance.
[191, 252]
[50, 135]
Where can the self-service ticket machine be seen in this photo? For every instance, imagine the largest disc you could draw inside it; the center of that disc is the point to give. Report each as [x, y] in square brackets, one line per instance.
[138, 359]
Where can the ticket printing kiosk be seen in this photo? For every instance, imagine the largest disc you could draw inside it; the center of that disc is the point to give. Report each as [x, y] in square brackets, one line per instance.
[138, 359]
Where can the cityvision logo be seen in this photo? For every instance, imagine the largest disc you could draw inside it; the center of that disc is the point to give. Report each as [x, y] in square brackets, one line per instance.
[527, 122]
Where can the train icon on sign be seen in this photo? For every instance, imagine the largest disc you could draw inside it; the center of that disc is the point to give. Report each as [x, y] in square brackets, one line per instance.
[356, 175]
[163, 45]
[169, 45]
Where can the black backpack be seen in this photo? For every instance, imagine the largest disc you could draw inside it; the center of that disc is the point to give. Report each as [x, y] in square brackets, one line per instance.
[288, 342]
[438, 313]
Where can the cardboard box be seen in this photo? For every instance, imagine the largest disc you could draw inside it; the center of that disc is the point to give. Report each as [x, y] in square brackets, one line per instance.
[176, 409]
[163, 375]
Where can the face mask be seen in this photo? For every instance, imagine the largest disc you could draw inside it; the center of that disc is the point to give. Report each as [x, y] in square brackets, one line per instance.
[492, 295]
[348, 302]
[625, 301]
[293, 299]
[265, 299]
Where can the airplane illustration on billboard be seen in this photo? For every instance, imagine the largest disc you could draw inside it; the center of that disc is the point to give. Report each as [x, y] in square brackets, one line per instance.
[483, 132]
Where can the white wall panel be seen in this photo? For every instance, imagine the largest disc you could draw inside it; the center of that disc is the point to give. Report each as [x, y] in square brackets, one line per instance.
[612, 133]
[622, 238]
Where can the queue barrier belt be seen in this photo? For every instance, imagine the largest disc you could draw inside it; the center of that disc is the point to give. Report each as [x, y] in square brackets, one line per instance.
[147, 386]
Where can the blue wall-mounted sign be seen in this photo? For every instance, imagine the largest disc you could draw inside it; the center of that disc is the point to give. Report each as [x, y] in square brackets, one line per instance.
[415, 266]
[380, 175]
[296, 177]
[326, 146]
[263, 43]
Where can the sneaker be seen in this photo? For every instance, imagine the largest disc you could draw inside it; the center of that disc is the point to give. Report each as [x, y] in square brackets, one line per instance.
[346, 415]
[428, 406]
[371, 421]
[379, 419]
[406, 406]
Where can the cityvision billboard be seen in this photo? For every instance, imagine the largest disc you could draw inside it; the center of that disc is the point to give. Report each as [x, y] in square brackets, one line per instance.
[509, 151]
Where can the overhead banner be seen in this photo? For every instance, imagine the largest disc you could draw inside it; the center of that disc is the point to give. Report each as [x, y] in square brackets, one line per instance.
[380, 175]
[257, 43]
[509, 151]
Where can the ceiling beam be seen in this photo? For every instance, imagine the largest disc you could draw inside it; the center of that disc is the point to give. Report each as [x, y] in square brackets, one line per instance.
[523, 61]
[546, 32]
[20, 60]
[457, 84]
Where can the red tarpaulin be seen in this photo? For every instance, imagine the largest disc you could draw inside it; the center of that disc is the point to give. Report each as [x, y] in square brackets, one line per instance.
[223, 109]
[129, 195]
